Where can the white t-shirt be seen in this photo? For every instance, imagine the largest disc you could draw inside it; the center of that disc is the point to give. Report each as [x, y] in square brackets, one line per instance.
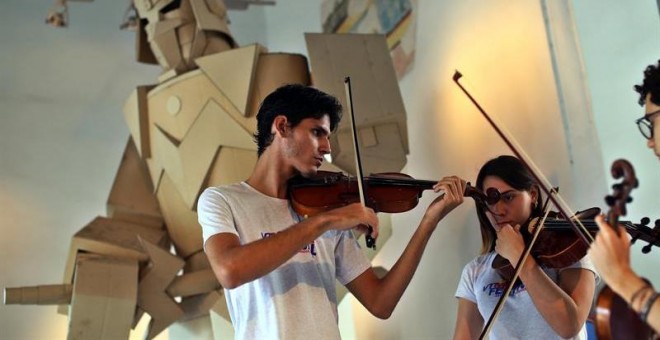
[298, 299]
[519, 318]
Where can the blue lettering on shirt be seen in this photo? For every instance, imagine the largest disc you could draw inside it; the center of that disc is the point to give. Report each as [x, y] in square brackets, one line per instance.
[497, 289]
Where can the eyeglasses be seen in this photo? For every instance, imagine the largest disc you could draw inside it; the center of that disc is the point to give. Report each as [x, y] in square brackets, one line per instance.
[645, 125]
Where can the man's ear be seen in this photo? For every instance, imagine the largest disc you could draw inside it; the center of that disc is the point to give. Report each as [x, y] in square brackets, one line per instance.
[280, 126]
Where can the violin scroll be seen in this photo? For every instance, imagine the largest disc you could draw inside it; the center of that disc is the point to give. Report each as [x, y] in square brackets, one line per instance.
[621, 191]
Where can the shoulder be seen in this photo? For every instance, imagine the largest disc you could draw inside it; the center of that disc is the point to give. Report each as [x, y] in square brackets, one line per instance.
[586, 264]
[479, 264]
[223, 192]
[482, 260]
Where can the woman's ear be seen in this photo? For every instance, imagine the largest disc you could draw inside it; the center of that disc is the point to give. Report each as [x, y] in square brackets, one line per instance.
[534, 194]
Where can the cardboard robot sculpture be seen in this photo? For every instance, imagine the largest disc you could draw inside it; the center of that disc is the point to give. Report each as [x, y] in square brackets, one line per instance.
[191, 130]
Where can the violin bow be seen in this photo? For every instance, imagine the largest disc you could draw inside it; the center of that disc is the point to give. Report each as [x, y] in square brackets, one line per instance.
[543, 183]
[369, 240]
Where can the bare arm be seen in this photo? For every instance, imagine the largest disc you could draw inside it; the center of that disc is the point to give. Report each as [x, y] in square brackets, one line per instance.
[380, 296]
[235, 264]
[564, 305]
[469, 322]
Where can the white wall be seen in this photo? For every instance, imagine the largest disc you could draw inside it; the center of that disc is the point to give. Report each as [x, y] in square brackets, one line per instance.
[62, 131]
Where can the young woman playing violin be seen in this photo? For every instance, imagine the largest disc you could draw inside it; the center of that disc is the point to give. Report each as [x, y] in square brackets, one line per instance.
[278, 268]
[547, 303]
[611, 251]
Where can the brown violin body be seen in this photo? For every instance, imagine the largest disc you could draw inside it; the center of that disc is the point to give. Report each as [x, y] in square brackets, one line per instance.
[329, 190]
[385, 192]
[557, 246]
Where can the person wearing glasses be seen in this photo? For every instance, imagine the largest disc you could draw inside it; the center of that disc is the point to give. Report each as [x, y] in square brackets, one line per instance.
[546, 303]
[611, 251]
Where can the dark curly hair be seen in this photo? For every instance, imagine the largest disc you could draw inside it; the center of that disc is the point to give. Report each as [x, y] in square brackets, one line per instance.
[650, 84]
[296, 102]
[514, 173]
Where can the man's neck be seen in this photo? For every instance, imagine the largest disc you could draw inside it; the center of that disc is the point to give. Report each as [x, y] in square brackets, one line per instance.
[270, 175]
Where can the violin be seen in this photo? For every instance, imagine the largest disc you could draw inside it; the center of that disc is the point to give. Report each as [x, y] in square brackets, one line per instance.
[558, 246]
[390, 192]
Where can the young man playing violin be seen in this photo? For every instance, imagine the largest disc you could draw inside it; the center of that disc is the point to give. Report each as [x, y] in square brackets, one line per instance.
[278, 269]
[610, 251]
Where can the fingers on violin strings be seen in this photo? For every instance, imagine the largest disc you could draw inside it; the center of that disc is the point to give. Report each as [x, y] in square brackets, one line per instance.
[442, 183]
[600, 221]
[452, 186]
[457, 186]
[438, 187]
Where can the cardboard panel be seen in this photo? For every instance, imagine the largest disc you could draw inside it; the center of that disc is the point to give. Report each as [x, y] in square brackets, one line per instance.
[132, 197]
[230, 166]
[38, 295]
[186, 34]
[137, 118]
[188, 163]
[113, 238]
[380, 148]
[199, 305]
[197, 261]
[165, 46]
[194, 283]
[152, 297]
[143, 51]
[366, 60]
[233, 73]
[273, 71]
[216, 43]
[155, 172]
[199, 44]
[206, 20]
[104, 298]
[181, 222]
[191, 91]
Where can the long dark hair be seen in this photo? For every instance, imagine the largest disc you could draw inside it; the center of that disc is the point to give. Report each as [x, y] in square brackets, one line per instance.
[514, 173]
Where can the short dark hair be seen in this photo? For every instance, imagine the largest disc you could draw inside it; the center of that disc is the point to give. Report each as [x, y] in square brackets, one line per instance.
[514, 173]
[296, 102]
[650, 84]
